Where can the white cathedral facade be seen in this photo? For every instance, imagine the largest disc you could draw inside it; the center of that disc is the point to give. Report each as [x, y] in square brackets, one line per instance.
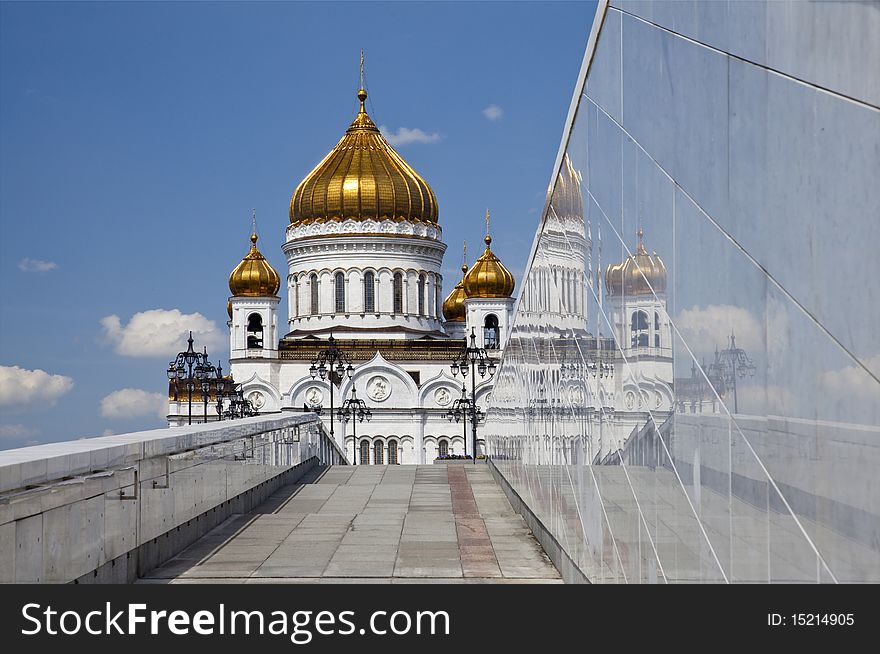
[364, 251]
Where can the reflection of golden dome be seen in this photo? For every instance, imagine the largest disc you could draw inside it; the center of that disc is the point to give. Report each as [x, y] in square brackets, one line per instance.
[453, 305]
[363, 178]
[488, 277]
[638, 275]
[567, 200]
[254, 276]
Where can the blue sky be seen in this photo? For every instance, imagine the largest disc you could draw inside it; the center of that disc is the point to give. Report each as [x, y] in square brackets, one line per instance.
[136, 137]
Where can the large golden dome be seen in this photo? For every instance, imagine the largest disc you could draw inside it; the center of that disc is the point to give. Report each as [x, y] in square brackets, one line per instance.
[453, 305]
[254, 276]
[363, 178]
[488, 277]
[640, 274]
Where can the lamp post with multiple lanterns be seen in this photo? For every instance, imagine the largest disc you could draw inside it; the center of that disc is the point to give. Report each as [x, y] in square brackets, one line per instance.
[354, 409]
[195, 370]
[331, 362]
[477, 361]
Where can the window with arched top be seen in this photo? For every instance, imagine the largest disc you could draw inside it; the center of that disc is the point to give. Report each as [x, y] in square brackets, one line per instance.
[438, 311]
[313, 290]
[369, 292]
[398, 292]
[339, 283]
[422, 294]
[392, 453]
[639, 328]
[295, 295]
[443, 447]
[378, 459]
[255, 331]
[656, 321]
[491, 332]
[365, 452]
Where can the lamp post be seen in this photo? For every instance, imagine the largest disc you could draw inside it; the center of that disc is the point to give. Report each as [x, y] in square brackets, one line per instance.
[356, 410]
[189, 366]
[731, 363]
[475, 359]
[459, 412]
[206, 373]
[330, 362]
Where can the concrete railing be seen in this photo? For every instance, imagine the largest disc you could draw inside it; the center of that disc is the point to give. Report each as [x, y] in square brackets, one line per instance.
[111, 508]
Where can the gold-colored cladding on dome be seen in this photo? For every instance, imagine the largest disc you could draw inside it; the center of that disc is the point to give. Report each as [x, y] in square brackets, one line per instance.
[363, 178]
[254, 276]
[488, 277]
[638, 275]
[453, 305]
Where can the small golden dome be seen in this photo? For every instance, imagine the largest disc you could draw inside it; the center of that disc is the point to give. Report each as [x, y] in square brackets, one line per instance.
[363, 178]
[638, 275]
[488, 277]
[254, 276]
[453, 305]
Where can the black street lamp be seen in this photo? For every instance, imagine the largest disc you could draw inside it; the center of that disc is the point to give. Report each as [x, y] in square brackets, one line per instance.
[356, 410]
[331, 362]
[475, 359]
[191, 367]
[459, 412]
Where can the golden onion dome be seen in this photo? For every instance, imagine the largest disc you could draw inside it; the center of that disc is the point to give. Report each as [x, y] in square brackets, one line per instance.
[453, 305]
[363, 178]
[640, 274]
[488, 277]
[254, 276]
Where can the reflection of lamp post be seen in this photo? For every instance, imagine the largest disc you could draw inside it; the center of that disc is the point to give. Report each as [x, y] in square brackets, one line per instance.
[731, 363]
[356, 410]
[479, 362]
[331, 361]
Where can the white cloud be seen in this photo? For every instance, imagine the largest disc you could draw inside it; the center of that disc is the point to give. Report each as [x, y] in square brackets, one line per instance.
[704, 328]
[493, 112]
[405, 135]
[133, 403]
[160, 333]
[19, 386]
[17, 431]
[852, 381]
[36, 265]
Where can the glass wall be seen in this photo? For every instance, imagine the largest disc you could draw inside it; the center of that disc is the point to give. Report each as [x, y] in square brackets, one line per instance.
[691, 388]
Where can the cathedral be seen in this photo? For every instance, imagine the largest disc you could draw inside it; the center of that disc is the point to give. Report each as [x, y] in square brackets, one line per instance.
[364, 250]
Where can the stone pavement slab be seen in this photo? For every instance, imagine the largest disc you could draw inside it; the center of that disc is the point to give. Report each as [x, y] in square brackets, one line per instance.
[371, 524]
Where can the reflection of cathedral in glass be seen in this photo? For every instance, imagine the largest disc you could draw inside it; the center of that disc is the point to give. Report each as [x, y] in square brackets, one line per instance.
[610, 339]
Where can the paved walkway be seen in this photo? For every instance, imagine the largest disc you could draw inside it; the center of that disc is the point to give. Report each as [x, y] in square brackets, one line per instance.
[378, 524]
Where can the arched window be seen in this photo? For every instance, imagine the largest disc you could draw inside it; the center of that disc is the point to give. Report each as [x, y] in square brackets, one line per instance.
[365, 453]
[377, 453]
[392, 453]
[295, 295]
[437, 293]
[339, 283]
[398, 293]
[422, 295]
[639, 328]
[443, 447]
[313, 289]
[255, 331]
[656, 321]
[369, 292]
[490, 332]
